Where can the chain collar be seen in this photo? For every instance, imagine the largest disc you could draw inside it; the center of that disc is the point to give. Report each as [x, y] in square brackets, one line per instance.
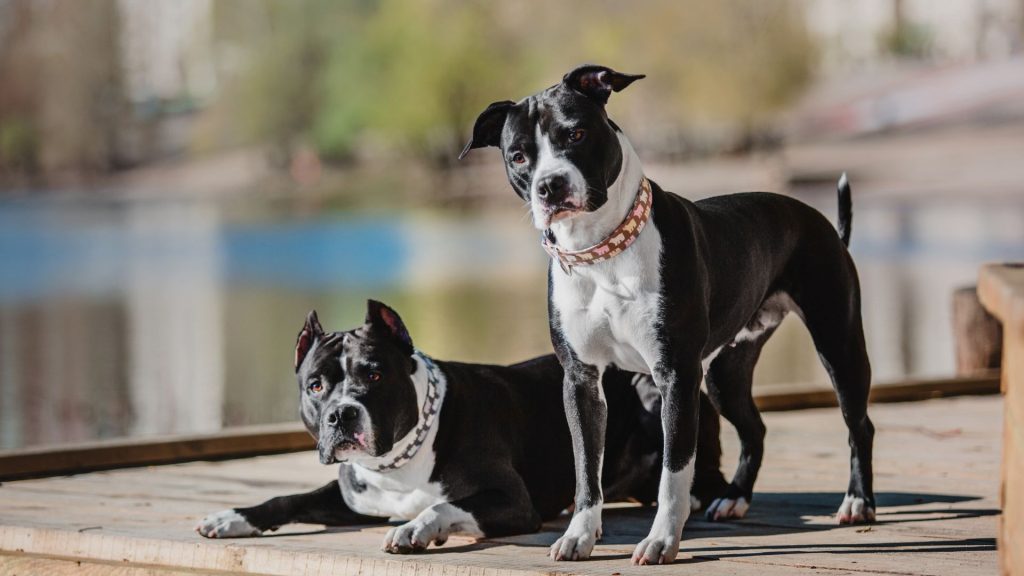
[621, 238]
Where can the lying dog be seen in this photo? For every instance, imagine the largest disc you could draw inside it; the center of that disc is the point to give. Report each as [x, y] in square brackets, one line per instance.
[451, 447]
[646, 281]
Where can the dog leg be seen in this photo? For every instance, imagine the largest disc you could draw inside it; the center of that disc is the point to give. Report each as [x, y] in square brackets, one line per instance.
[587, 413]
[321, 506]
[680, 390]
[729, 380]
[490, 513]
[434, 524]
[833, 318]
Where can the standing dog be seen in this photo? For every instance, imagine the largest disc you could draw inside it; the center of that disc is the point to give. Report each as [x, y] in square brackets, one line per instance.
[646, 281]
[451, 447]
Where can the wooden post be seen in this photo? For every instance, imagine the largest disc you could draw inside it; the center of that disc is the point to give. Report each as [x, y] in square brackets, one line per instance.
[1001, 289]
[978, 334]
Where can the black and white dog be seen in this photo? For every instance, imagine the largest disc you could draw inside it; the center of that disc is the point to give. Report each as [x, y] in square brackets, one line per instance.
[452, 447]
[646, 281]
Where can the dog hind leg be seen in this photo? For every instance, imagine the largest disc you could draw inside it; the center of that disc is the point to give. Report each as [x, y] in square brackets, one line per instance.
[833, 318]
[729, 381]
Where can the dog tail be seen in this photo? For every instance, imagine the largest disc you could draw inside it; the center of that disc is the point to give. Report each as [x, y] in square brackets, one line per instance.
[845, 210]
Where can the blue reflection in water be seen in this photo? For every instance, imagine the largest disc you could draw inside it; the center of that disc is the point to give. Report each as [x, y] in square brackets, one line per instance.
[316, 255]
[46, 252]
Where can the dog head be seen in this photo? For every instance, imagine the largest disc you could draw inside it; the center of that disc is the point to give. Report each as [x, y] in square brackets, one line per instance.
[561, 151]
[356, 390]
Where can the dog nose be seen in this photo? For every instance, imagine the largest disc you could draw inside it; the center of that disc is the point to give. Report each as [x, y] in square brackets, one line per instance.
[344, 415]
[553, 189]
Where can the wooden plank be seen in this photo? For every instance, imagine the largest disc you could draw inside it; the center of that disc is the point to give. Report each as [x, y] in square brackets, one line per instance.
[21, 565]
[800, 398]
[231, 443]
[935, 462]
[244, 442]
[1001, 290]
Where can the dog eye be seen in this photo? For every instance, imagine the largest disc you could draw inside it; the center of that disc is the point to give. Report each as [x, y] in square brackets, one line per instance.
[519, 157]
[373, 376]
[576, 136]
[316, 386]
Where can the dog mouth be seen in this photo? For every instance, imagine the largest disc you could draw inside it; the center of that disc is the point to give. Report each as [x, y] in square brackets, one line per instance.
[345, 448]
[356, 443]
[559, 212]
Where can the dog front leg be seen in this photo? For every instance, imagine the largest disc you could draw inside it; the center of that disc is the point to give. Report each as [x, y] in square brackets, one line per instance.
[587, 413]
[490, 513]
[321, 506]
[680, 388]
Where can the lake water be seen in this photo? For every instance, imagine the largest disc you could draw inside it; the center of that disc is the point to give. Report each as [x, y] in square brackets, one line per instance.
[152, 317]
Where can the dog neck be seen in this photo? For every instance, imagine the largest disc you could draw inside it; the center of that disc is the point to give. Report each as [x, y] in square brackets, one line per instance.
[589, 228]
[430, 387]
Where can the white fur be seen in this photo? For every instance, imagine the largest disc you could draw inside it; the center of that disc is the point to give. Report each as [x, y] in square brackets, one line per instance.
[405, 492]
[434, 524]
[854, 510]
[727, 508]
[580, 537]
[662, 544]
[226, 524]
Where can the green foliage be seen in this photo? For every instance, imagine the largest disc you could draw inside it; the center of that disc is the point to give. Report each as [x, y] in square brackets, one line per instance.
[410, 75]
[415, 73]
[907, 41]
[19, 146]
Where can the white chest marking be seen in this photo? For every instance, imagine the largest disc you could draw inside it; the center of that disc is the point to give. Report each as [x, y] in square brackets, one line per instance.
[397, 494]
[609, 311]
[400, 493]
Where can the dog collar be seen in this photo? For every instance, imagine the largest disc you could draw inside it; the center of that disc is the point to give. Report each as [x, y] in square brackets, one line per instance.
[431, 406]
[625, 234]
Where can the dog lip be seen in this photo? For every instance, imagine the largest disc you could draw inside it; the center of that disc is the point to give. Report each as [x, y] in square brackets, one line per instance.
[562, 211]
[562, 215]
[348, 446]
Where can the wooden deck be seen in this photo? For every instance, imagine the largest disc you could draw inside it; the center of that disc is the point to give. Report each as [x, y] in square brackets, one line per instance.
[936, 478]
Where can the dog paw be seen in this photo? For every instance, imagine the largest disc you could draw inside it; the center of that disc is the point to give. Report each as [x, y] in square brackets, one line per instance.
[414, 536]
[855, 510]
[580, 537]
[226, 524]
[656, 549]
[695, 503]
[727, 509]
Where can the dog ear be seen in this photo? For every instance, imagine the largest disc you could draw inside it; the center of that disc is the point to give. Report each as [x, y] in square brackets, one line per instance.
[598, 82]
[488, 126]
[310, 333]
[383, 317]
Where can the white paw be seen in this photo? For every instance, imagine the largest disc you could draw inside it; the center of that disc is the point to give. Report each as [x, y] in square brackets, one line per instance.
[580, 537]
[414, 536]
[855, 510]
[660, 547]
[694, 503]
[226, 524]
[727, 508]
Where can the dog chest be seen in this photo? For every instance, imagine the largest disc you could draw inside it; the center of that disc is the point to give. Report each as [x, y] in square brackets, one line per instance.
[401, 494]
[609, 312]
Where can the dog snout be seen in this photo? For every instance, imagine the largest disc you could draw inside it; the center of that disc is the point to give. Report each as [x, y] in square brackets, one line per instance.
[343, 416]
[553, 189]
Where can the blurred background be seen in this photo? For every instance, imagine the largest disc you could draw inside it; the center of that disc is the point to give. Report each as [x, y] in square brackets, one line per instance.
[182, 180]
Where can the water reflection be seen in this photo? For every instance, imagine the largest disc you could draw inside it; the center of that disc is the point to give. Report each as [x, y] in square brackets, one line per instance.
[132, 319]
